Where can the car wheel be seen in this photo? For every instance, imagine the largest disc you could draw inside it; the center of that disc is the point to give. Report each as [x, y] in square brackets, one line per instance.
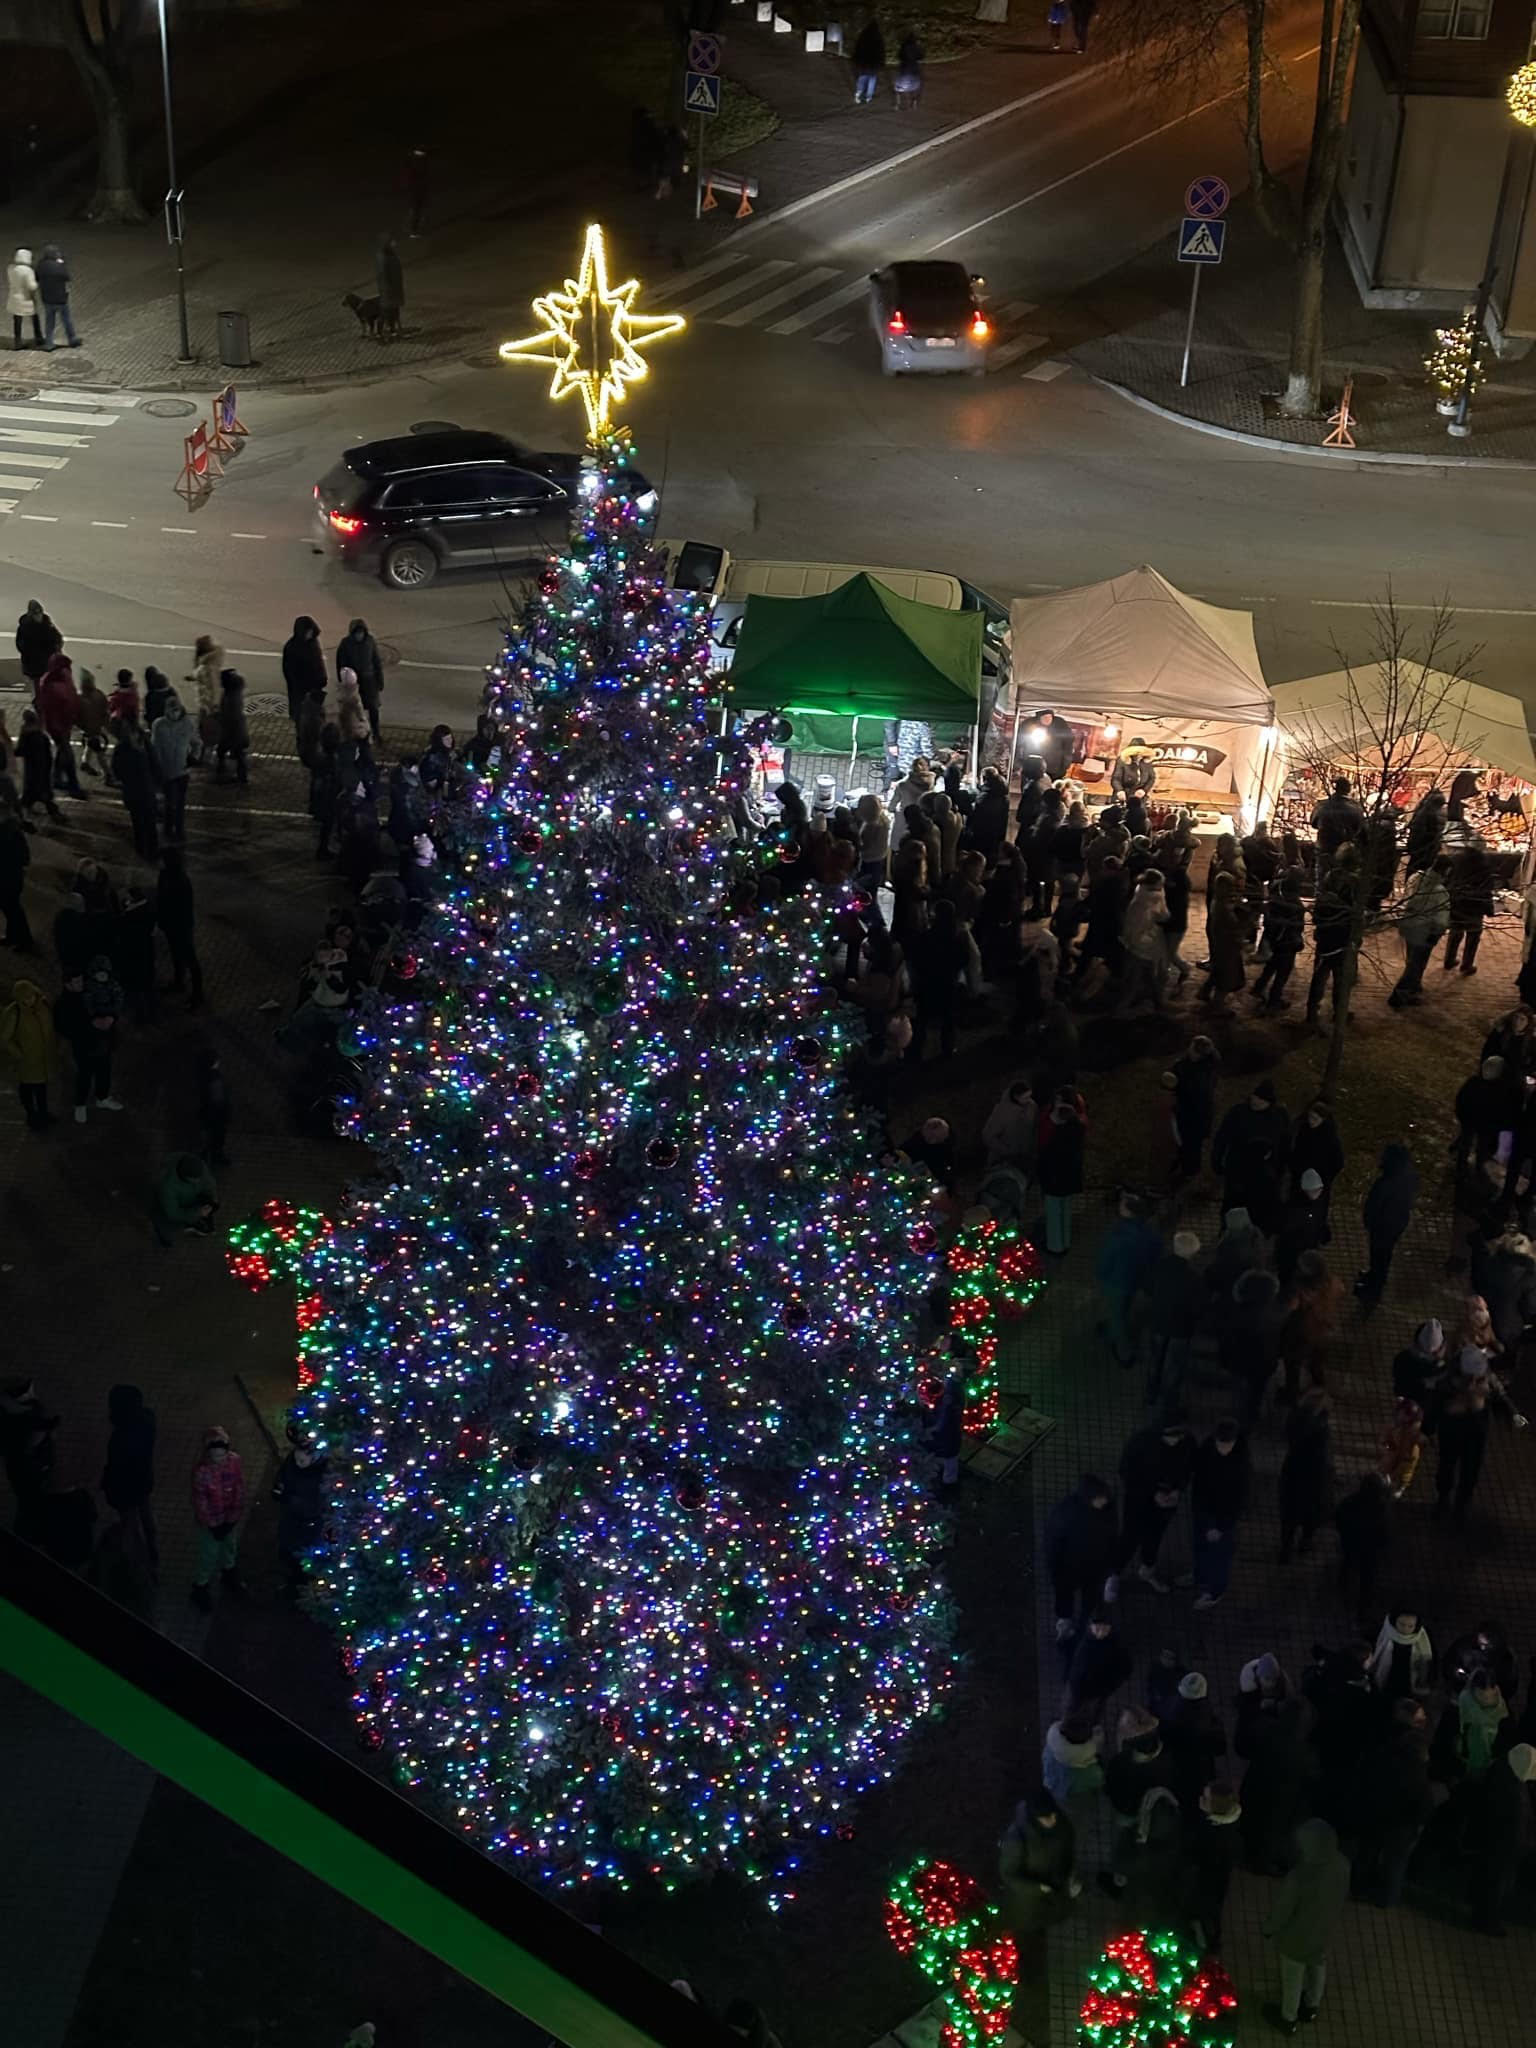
[408, 565]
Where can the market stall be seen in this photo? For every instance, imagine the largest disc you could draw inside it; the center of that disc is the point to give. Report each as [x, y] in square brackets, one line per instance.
[1133, 664]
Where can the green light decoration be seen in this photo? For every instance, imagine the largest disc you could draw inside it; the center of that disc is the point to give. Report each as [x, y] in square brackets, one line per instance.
[945, 1922]
[272, 1245]
[1153, 1990]
[995, 1278]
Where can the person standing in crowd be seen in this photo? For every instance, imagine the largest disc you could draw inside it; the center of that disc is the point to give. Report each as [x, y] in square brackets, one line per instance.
[128, 1478]
[1098, 1666]
[1465, 1415]
[175, 912]
[1306, 1473]
[868, 62]
[1333, 925]
[1487, 1107]
[1127, 1254]
[303, 664]
[91, 720]
[1284, 934]
[1249, 1153]
[1338, 821]
[1304, 1228]
[1139, 1767]
[27, 1040]
[1155, 1470]
[35, 752]
[359, 652]
[53, 283]
[1419, 1365]
[1494, 1812]
[1037, 1872]
[1218, 1498]
[38, 640]
[1194, 1738]
[1224, 940]
[58, 706]
[157, 692]
[1386, 1212]
[133, 771]
[1421, 924]
[207, 666]
[1403, 1660]
[1426, 831]
[15, 859]
[1011, 1134]
[1471, 902]
[234, 733]
[1364, 1522]
[218, 1502]
[1175, 1306]
[300, 1495]
[936, 960]
[1063, 1140]
[874, 826]
[1194, 1102]
[1082, 1542]
[1302, 1920]
[170, 752]
[1212, 1844]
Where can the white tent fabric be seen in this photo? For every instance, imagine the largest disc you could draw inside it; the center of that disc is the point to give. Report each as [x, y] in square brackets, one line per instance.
[1467, 721]
[1134, 647]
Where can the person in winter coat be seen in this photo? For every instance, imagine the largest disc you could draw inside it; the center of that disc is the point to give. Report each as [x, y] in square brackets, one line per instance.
[935, 961]
[15, 859]
[27, 1448]
[1402, 1447]
[218, 1502]
[1099, 1665]
[1062, 1142]
[989, 820]
[1212, 1843]
[1316, 1310]
[1249, 1152]
[207, 667]
[1250, 1330]
[908, 82]
[27, 1040]
[1504, 1273]
[34, 750]
[389, 284]
[1140, 1765]
[176, 915]
[1419, 1365]
[1386, 1212]
[171, 739]
[1194, 1102]
[1081, 1542]
[58, 706]
[1303, 1228]
[1218, 1497]
[1471, 902]
[1403, 1660]
[91, 718]
[1263, 1688]
[325, 786]
[133, 954]
[234, 732]
[1316, 1147]
[1364, 1522]
[1306, 1476]
[186, 1196]
[1224, 940]
[53, 290]
[1279, 1783]
[359, 651]
[213, 1106]
[1495, 1815]
[1392, 1797]
[303, 664]
[1285, 935]
[128, 1477]
[1011, 1134]
[21, 298]
[1421, 924]
[308, 726]
[868, 62]
[1155, 1469]
[134, 773]
[300, 1495]
[1475, 1728]
[123, 706]
[1176, 1303]
[1426, 831]
[1194, 1738]
[1333, 925]
[1302, 1920]
[38, 640]
[85, 1016]
[1337, 821]
[157, 691]
[1472, 1395]
[1071, 1765]
[1127, 1255]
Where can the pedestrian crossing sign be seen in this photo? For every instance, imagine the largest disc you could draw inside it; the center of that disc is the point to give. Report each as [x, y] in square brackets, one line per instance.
[1201, 241]
[701, 93]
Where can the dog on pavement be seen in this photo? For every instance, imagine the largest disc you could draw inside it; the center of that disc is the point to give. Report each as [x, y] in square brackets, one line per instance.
[382, 322]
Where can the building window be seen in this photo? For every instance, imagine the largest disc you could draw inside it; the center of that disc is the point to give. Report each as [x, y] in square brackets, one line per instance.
[1462, 21]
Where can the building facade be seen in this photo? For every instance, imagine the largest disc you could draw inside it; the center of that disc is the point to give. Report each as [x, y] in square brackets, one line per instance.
[1429, 146]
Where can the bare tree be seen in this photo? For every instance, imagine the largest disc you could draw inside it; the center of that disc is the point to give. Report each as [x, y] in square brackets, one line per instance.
[1403, 711]
[1335, 59]
[100, 36]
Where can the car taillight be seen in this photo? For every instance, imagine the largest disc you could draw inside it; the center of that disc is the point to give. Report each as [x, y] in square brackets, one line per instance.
[344, 523]
[980, 327]
[896, 324]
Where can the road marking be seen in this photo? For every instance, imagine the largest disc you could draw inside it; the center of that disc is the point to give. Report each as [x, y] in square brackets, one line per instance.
[107, 401]
[829, 303]
[17, 437]
[834, 335]
[19, 483]
[1047, 373]
[1478, 611]
[247, 536]
[244, 811]
[1125, 148]
[37, 518]
[687, 278]
[1017, 309]
[178, 529]
[9, 505]
[447, 668]
[120, 525]
[758, 274]
[1020, 345]
[806, 282]
[20, 461]
[53, 419]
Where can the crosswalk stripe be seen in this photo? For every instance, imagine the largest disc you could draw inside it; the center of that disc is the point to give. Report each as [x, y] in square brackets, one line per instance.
[685, 278]
[807, 281]
[1020, 345]
[18, 460]
[19, 483]
[7, 504]
[1044, 373]
[796, 323]
[834, 335]
[54, 419]
[1016, 309]
[20, 438]
[102, 401]
[735, 286]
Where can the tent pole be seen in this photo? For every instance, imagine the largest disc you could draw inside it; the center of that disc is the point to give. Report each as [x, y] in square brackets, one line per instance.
[853, 757]
[976, 747]
[1013, 750]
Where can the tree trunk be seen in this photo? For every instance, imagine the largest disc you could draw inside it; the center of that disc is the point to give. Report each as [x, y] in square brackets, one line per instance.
[114, 198]
[1269, 195]
[1304, 374]
[1328, 1086]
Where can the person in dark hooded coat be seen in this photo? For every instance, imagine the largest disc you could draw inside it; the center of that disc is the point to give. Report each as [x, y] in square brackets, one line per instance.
[359, 651]
[1386, 1213]
[388, 282]
[303, 664]
[128, 1477]
[1302, 1921]
[1278, 1785]
[1494, 1813]
[1306, 1473]
[1082, 1541]
[38, 640]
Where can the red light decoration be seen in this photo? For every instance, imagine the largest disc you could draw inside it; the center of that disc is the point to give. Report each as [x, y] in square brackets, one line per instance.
[943, 1919]
[1152, 1990]
[995, 1278]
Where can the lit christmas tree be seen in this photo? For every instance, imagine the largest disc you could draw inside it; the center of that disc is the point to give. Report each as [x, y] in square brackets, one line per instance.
[1458, 357]
[633, 1567]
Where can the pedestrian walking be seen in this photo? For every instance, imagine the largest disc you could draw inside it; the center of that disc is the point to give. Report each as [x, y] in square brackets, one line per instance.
[186, 1196]
[1083, 12]
[58, 706]
[388, 285]
[1284, 936]
[1063, 1138]
[1421, 924]
[128, 1477]
[53, 283]
[1071, 1763]
[1218, 1498]
[28, 1041]
[85, 1016]
[303, 664]
[1494, 1814]
[1194, 1102]
[1364, 1522]
[1155, 1470]
[1128, 1254]
[1386, 1213]
[1333, 929]
[234, 732]
[1037, 1869]
[868, 63]
[34, 750]
[1056, 18]
[908, 89]
[1081, 1543]
[1099, 1665]
[417, 181]
[1306, 1473]
[218, 1502]
[15, 859]
[133, 770]
[171, 741]
[359, 652]
[38, 640]
[1302, 1920]
[22, 301]
[1471, 902]
[300, 1495]
[1212, 1844]
[1472, 1396]
[1249, 1152]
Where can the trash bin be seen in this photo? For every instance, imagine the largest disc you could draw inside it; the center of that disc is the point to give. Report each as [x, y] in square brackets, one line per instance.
[235, 340]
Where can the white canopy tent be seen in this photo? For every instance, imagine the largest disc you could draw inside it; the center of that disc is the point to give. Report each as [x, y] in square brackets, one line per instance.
[1135, 653]
[1464, 721]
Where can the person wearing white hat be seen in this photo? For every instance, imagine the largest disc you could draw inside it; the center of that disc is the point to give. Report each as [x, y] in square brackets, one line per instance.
[1417, 1367]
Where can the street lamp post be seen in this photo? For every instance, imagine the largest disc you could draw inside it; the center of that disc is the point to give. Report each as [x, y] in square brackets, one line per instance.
[173, 193]
[1520, 98]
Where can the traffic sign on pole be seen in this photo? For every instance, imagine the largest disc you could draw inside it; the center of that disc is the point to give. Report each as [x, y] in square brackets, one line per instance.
[703, 51]
[701, 93]
[1201, 241]
[1207, 198]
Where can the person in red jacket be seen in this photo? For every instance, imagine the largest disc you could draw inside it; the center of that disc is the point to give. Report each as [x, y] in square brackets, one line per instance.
[218, 1502]
[58, 706]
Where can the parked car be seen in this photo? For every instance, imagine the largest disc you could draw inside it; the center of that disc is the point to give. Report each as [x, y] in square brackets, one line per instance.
[413, 505]
[929, 317]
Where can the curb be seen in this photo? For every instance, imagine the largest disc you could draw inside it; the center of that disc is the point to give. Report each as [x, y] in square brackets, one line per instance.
[1348, 458]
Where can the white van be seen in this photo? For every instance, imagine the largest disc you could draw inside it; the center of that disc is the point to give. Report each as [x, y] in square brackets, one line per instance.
[701, 566]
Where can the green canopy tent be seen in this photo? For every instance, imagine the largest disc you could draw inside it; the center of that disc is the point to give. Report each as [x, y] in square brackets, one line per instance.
[855, 658]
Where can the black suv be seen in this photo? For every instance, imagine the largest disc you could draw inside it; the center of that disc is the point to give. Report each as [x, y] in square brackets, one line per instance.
[409, 506]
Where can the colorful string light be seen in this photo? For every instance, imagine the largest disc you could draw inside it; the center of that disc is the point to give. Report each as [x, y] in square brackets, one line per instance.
[272, 1246]
[634, 1568]
[1152, 1990]
[995, 1278]
[944, 1921]
[1458, 357]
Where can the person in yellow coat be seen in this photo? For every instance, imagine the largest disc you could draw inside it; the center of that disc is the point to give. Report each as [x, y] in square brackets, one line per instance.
[27, 1041]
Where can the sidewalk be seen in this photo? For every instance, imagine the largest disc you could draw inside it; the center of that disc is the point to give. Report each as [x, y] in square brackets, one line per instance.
[1131, 333]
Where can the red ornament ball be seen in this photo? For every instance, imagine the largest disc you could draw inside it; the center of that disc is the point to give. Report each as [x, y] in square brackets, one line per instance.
[662, 1154]
[922, 1237]
[587, 1165]
[689, 1489]
[526, 1085]
[795, 1315]
[371, 1738]
[807, 1052]
[531, 840]
[549, 580]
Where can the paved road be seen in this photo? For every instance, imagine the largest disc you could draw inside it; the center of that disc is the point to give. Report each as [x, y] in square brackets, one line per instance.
[771, 430]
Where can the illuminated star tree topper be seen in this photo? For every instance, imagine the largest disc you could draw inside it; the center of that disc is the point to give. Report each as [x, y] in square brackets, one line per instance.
[592, 335]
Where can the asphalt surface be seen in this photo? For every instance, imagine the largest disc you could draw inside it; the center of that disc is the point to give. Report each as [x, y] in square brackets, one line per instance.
[770, 429]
